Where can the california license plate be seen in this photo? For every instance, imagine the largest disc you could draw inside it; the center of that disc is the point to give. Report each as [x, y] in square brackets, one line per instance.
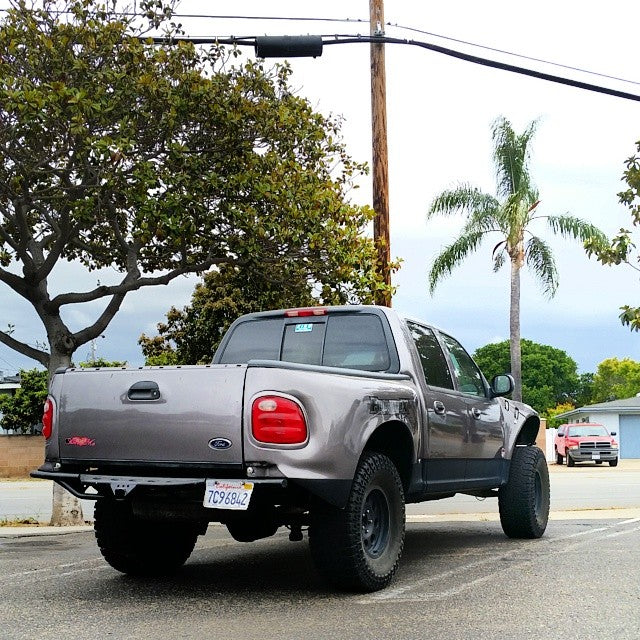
[228, 494]
[595, 456]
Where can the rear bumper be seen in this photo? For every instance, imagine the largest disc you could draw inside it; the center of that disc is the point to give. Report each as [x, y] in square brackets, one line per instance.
[87, 486]
[120, 486]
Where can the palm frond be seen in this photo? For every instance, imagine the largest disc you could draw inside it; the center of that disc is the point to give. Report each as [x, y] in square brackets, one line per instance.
[499, 255]
[453, 255]
[464, 199]
[511, 158]
[576, 229]
[539, 259]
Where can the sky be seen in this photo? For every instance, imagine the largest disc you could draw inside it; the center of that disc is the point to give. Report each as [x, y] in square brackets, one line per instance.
[439, 114]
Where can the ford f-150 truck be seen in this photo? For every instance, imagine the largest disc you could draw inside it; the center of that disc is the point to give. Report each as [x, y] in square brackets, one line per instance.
[326, 420]
[582, 441]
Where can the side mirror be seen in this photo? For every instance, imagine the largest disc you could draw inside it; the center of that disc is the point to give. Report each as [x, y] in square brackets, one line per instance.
[614, 433]
[502, 385]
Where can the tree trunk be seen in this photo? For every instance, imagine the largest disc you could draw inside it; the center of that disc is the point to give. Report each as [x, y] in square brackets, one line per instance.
[514, 329]
[66, 509]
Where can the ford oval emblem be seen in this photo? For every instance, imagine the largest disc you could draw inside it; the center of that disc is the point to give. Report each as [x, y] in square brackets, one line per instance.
[219, 444]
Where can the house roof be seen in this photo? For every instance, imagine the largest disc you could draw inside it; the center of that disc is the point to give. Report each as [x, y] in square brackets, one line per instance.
[626, 405]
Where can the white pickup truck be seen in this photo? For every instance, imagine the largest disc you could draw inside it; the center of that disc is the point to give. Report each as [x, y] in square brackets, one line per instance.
[326, 420]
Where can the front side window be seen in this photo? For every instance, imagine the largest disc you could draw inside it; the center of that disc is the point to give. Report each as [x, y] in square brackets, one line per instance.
[434, 363]
[465, 369]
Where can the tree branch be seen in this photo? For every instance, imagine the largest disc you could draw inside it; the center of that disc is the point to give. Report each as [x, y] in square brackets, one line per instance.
[89, 333]
[133, 285]
[14, 282]
[41, 356]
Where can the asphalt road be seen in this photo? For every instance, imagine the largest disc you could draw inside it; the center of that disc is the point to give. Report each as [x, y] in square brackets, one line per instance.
[462, 580]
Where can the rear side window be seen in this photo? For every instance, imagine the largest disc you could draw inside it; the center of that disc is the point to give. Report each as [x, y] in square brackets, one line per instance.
[254, 340]
[434, 364]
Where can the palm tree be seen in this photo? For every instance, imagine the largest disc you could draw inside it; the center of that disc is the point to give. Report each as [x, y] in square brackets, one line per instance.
[510, 215]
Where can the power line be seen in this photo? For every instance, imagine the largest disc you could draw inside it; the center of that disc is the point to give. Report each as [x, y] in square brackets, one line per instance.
[510, 53]
[358, 39]
[202, 16]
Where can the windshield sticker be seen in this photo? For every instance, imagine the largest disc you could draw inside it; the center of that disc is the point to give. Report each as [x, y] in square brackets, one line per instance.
[303, 328]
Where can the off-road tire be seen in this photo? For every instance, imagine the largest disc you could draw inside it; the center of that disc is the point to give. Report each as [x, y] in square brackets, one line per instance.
[141, 547]
[570, 461]
[613, 463]
[358, 548]
[524, 500]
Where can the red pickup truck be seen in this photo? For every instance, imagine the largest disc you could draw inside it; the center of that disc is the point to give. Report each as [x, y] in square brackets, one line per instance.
[584, 441]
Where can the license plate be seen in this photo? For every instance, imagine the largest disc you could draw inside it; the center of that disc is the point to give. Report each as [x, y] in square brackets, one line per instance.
[228, 494]
[595, 456]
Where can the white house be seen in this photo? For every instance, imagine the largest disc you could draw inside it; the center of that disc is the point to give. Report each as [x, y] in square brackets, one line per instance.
[621, 416]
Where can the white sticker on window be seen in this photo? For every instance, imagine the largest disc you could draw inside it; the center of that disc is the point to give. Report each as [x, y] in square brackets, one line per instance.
[303, 328]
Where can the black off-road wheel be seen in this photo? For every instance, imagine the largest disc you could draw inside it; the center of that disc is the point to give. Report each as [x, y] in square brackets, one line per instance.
[524, 500]
[358, 548]
[141, 547]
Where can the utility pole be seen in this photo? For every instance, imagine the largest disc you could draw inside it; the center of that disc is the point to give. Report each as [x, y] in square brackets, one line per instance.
[380, 159]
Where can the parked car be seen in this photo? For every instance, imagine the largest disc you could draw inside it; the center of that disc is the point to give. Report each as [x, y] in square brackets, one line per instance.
[324, 419]
[585, 441]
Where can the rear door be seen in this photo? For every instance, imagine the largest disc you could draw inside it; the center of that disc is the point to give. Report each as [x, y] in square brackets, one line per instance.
[485, 437]
[446, 432]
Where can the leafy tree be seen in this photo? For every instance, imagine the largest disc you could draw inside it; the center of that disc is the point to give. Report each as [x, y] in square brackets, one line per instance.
[101, 362]
[616, 379]
[510, 215]
[620, 248]
[550, 414]
[23, 410]
[549, 375]
[158, 161]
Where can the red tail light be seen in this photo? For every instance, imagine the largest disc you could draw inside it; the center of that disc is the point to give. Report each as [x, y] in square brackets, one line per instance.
[47, 418]
[277, 420]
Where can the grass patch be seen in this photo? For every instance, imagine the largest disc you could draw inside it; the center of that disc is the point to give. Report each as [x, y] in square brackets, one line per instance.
[19, 522]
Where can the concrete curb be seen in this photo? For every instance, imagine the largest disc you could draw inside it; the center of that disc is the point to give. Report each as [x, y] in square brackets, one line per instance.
[27, 532]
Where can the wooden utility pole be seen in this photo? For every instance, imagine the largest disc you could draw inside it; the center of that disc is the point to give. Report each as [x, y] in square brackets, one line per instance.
[379, 144]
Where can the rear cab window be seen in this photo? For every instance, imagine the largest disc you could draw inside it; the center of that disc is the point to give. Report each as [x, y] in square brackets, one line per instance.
[351, 340]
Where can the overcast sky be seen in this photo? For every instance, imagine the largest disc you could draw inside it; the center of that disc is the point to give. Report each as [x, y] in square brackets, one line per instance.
[439, 115]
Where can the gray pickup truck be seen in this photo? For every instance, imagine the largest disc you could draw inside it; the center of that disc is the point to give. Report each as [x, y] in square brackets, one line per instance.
[328, 419]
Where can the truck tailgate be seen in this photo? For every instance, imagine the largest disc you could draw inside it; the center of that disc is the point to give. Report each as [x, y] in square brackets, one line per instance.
[172, 415]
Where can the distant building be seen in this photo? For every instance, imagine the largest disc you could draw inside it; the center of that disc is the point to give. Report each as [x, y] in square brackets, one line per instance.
[621, 416]
[9, 384]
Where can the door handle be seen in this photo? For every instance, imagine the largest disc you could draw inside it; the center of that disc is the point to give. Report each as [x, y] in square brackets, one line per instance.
[439, 407]
[144, 390]
[476, 412]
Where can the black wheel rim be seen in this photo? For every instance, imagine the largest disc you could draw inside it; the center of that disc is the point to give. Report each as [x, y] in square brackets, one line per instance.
[537, 492]
[375, 523]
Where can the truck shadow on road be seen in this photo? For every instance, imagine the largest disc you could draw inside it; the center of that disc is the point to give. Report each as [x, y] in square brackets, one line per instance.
[274, 569]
